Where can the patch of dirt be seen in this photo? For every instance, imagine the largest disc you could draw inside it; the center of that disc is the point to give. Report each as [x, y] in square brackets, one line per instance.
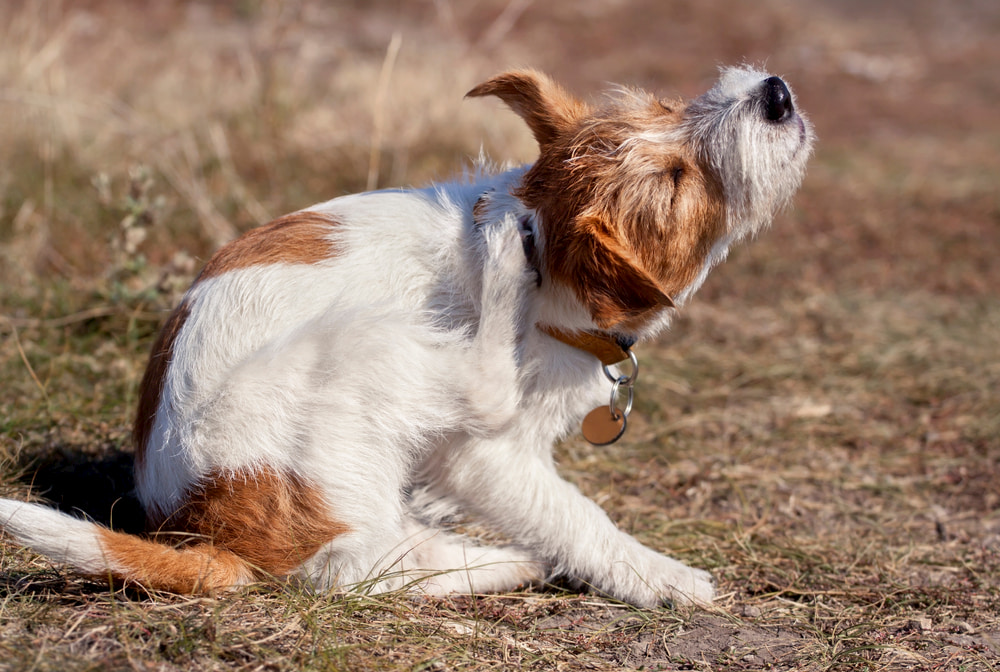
[635, 640]
[702, 640]
[709, 639]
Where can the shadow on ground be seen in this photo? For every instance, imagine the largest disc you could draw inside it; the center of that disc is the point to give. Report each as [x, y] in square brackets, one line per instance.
[99, 487]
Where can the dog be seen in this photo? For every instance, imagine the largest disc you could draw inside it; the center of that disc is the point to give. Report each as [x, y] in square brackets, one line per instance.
[336, 386]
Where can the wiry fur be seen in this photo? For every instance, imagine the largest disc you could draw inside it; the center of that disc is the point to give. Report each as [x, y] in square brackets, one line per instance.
[335, 385]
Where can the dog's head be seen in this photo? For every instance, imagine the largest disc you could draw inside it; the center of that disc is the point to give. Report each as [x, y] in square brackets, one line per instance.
[637, 198]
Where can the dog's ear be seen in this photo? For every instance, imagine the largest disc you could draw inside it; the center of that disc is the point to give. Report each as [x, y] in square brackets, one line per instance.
[606, 277]
[544, 105]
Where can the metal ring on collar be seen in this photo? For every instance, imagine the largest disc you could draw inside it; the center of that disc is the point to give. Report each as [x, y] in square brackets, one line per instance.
[613, 404]
[628, 380]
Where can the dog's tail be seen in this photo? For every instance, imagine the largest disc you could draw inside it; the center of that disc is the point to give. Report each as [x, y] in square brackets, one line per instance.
[101, 553]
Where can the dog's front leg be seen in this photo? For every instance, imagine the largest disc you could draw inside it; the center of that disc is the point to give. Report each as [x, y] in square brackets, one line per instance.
[521, 494]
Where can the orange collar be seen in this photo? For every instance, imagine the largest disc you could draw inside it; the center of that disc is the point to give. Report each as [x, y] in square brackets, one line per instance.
[608, 348]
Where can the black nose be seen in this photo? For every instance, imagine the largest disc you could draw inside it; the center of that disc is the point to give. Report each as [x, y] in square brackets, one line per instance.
[777, 100]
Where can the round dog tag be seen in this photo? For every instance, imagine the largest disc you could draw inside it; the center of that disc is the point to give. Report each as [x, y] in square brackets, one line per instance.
[600, 427]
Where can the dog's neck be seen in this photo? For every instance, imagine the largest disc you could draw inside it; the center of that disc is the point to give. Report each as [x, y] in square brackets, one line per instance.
[609, 348]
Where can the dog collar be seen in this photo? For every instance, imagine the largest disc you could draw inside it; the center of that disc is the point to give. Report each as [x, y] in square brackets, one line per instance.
[608, 348]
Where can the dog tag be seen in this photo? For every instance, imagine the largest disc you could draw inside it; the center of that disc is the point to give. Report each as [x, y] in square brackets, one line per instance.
[601, 428]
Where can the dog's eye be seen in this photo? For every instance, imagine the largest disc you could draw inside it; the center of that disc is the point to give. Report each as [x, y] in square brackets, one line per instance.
[676, 174]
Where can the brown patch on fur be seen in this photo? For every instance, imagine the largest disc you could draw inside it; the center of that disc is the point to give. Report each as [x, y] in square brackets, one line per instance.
[151, 386]
[298, 238]
[628, 215]
[199, 568]
[273, 521]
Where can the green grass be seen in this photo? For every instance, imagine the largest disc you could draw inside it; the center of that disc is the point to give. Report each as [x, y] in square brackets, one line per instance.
[819, 428]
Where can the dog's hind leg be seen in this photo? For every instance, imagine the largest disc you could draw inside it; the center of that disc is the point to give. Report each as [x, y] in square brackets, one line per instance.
[451, 563]
[434, 562]
[494, 393]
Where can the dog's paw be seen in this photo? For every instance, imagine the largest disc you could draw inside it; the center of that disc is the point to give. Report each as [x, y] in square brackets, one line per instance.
[506, 263]
[692, 587]
[665, 581]
[508, 279]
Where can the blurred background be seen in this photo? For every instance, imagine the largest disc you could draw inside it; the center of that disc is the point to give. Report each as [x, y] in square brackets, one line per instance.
[240, 111]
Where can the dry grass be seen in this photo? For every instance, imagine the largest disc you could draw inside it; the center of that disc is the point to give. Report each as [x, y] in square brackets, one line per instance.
[820, 429]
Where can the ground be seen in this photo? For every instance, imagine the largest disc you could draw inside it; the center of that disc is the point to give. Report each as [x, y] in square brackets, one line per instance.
[820, 429]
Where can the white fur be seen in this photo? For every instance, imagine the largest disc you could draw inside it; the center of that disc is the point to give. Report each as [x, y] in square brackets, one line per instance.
[406, 379]
[54, 534]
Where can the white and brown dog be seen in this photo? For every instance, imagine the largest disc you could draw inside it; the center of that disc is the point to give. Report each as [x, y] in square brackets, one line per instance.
[337, 383]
